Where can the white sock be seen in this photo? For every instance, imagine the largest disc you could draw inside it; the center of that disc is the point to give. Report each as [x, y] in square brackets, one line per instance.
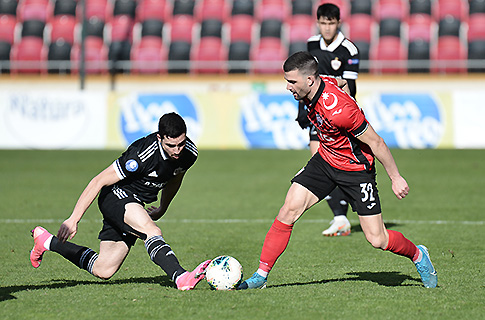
[47, 243]
[420, 256]
[262, 273]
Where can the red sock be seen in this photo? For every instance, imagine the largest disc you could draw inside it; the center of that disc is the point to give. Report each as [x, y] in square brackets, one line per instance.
[274, 244]
[400, 245]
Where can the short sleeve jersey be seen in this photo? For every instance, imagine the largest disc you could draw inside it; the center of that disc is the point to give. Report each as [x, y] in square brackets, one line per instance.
[339, 59]
[339, 121]
[144, 168]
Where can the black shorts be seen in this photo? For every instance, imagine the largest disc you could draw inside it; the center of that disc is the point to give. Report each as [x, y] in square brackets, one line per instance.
[112, 204]
[313, 133]
[360, 187]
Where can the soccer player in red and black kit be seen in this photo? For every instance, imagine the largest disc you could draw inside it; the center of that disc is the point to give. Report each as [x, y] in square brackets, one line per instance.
[150, 164]
[345, 158]
[337, 57]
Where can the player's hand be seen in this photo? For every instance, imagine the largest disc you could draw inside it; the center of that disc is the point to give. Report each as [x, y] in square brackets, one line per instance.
[153, 212]
[400, 187]
[67, 230]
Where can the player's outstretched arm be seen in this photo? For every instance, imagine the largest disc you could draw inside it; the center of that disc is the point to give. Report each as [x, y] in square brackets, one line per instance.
[383, 154]
[168, 193]
[68, 228]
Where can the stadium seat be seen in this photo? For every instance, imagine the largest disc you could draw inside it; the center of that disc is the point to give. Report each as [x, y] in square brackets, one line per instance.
[476, 6]
[420, 26]
[33, 28]
[61, 27]
[209, 56]
[211, 10]
[418, 55]
[152, 27]
[148, 55]
[124, 8]
[343, 5]
[94, 27]
[152, 10]
[8, 24]
[8, 7]
[387, 9]
[302, 7]
[448, 56]
[390, 27]
[455, 8]
[270, 28]
[59, 56]
[301, 27]
[476, 27]
[242, 7]
[96, 56]
[64, 7]
[94, 9]
[120, 28]
[211, 28]
[33, 10]
[420, 6]
[388, 56]
[272, 9]
[476, 52]
[119, 51]
[181, 28]
[5, 49]
[297, 46]
[28, 55]
[361, 6]
[364, 52]
[268, 56]
[183, 7]
[449, 26]
[360, 27]
[241, 28]
[179, 53]
[239, 52]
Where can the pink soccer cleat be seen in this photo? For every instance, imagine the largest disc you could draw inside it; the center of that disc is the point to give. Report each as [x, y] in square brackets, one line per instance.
[40, 236]
[189, 280]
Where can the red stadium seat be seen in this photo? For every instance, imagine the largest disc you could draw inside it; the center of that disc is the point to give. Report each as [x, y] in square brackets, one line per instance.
[455, 8]
[272, 9]
[120, 28]
[152, 10]
[268, 56]
[96, 56]
[476, 27]
[7, 28]
[181, 28]
[95, 8]
[344, 6]
[28, 55]
[449, 55]
[62, 27]
[209, 56]
[148, 55]
[387, 9]
[33, 10]
[301, 27]
[388, 56]
[241, 28]
[420, 26]
[211, 9]
[360, 27]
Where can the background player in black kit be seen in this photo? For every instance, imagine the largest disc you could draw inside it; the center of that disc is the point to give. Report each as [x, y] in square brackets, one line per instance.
[338, 57]
[150, 164]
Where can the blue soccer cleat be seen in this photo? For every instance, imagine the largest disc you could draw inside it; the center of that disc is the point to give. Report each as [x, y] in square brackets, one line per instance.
[426, 270]
[255, 282]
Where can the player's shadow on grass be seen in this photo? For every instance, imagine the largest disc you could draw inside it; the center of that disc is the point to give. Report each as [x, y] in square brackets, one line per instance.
[387, 279]
[6, 293]
[358, 228]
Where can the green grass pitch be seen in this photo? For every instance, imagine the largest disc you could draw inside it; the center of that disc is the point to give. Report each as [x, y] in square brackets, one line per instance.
[227, 202]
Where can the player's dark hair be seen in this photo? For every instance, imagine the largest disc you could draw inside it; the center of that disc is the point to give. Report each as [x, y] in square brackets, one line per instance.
[171, 125]
[329, 11]
[302, 61]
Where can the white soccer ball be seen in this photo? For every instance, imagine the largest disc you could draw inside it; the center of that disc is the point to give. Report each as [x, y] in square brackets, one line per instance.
[224, 273]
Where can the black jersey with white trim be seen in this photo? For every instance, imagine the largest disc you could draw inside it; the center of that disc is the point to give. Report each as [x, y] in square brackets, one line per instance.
[340, 59]
[144, 168]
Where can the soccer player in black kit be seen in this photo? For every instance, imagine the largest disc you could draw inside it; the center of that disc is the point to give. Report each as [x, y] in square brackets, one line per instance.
[337, 57]
[150, 164]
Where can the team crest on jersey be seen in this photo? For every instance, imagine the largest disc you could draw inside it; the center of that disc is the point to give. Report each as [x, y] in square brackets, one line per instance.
[336, 63]
[131, 165]
[319, 119]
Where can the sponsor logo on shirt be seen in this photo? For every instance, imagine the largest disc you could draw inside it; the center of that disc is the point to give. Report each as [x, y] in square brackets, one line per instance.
[353, 61]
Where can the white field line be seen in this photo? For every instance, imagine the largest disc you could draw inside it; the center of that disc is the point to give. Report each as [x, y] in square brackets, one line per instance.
[236, 221]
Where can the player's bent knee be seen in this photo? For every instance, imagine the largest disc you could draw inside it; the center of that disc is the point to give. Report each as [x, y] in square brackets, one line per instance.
[377, 242]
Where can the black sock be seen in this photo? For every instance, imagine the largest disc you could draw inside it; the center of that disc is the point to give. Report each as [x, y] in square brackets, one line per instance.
[83, 257]
[161, 253]
[335, 200]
